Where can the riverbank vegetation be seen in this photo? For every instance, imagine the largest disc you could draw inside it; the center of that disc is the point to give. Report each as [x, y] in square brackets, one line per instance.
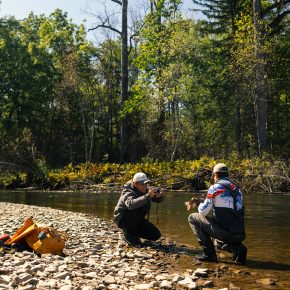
[180, 88]
[254, 175]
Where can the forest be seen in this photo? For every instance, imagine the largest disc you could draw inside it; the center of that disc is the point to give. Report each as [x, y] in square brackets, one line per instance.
[163, 86]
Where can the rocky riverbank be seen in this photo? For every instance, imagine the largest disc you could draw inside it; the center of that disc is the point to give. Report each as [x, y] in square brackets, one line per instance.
[96, 258]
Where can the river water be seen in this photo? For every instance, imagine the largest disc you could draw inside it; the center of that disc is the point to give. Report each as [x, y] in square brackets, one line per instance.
[267, 224]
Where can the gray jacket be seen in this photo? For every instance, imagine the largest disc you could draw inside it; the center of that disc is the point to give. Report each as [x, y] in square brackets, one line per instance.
[133, 200]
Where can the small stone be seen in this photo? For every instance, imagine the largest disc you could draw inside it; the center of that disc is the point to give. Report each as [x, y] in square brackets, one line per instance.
[83, 264]
[62, 268]
[208, 284]
[121, 274]
[266, 281]
[192, 286]
[234, 287]
[28, 254]
[98, 247]
[4, 279]
[131, 274]
[32, 281]
[91, 275]
[37, 268]
[27, 287]
[15, 281]
[51, 282]
[166, 284]
[200, 272]
[66, 287]
[24, 277]
[113, 286]
[4, 271]
[51, 269]
[160, 277]
[143, 287]
[109, 280]
[185, 281]
[149, 276]
[61, 275]
[177, 278]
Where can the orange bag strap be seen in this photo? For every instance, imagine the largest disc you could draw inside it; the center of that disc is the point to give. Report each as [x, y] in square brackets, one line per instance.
[29, 222]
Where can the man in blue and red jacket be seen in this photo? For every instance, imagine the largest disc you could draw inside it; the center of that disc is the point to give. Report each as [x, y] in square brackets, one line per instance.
[226, 225]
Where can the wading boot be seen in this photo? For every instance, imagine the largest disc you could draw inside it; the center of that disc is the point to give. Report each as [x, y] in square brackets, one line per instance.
[206, 256]
[131, 239]
[240, 254]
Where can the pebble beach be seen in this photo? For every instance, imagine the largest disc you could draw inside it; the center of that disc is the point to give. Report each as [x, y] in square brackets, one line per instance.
[95, 257]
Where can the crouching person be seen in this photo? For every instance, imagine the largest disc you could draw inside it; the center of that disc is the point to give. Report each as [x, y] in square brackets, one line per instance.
[132, 208]
[226, 225]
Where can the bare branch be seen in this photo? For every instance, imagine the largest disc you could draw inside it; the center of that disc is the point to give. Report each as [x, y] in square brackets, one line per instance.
[134, 35]
[278, 4]
[105, 23]
[279, 18]
[138, 24]
[131, 46]
[118, 2]
[105, 26]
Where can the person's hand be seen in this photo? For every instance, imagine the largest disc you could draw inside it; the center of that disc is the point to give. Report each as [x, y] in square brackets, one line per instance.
[191, 204]
[159, 193]
[195, 200]
[152, 191]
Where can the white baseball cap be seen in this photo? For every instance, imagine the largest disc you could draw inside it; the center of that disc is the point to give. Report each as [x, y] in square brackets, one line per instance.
[140, 177]
[220, 167]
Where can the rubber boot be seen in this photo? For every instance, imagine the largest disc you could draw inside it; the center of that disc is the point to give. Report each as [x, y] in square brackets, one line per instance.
[207, 255]
[240, 254]
[130, 239]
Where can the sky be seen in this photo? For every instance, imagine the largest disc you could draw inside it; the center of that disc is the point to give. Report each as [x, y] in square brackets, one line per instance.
[79, 10]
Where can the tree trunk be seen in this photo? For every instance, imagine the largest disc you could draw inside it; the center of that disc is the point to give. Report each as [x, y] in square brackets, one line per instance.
[92, 138]
[124, 80]
[85, 132]
[260, 90]
[238, 122]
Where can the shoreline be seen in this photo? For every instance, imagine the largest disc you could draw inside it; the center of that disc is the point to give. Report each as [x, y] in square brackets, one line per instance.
[97, 258]
[104, 190]
[266, 175]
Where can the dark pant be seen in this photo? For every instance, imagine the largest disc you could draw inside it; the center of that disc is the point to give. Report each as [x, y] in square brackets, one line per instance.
[139, 227]
[205, 229]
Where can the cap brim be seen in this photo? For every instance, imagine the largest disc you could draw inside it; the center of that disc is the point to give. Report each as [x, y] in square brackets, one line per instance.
[143, 181]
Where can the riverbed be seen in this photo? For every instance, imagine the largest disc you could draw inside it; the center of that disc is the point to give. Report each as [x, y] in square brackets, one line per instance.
[267, 223]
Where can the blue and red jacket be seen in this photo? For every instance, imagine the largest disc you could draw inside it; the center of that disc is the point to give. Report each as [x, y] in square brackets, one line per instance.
[225, 199]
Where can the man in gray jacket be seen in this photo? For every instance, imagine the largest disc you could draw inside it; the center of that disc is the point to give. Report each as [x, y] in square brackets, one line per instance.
[132, 208]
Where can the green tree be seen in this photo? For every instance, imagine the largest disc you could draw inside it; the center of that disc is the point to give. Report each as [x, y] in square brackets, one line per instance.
[152, 59]
[25, 92]
[123, 33]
